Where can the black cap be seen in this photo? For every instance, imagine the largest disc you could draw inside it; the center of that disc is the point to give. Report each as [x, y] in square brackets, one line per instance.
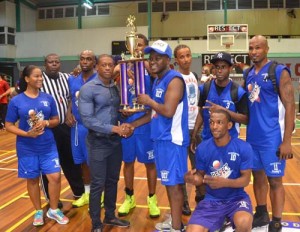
[222, 56]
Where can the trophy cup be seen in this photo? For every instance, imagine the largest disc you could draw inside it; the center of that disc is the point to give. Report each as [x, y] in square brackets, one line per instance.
[137, 62]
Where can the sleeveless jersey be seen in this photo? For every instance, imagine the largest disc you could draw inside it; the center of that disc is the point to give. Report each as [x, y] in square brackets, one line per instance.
[225, 100]
[75, 83]
[174, 129]
[266, 122]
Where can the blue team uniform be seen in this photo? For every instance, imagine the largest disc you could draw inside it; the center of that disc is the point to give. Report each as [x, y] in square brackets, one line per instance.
[35, 155]
[170, 135]
[265, 128]
[226, 161]
[79, 131]
[224, 99]
[139, 145]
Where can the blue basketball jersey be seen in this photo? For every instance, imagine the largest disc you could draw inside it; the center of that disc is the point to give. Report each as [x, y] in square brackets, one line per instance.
[173, 129]
[28, 111]
[225, 100]
[266, 122]
[75, 83]
[226, 161]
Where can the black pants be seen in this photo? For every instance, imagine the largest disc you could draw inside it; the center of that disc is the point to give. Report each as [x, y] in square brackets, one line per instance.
[3, 110]
[73, 173]
[105, 156]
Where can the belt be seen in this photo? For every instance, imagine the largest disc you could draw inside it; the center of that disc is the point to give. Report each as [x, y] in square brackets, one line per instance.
[103, 135]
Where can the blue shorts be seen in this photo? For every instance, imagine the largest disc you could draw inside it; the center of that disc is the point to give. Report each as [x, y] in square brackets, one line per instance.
[31, 167]
[211, 213]
[171, 162]
[78, 144]
[268, 161]
[138, 146]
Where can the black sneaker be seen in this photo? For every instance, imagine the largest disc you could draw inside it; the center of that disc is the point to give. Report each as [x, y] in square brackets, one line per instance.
[116, 222]
[260, 220]
[226, 225]
[275, 226]
[186, 209]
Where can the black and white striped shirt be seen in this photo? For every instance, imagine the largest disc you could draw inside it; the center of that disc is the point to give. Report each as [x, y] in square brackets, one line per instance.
[59, 89]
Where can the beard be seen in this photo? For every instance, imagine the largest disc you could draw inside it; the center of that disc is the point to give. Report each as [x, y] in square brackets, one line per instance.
[52, 75]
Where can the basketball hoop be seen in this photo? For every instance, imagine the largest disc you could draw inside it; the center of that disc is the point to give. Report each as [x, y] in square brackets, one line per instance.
[227, 45]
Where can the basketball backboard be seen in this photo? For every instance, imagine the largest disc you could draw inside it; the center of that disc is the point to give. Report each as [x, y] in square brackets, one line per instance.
[227, 37]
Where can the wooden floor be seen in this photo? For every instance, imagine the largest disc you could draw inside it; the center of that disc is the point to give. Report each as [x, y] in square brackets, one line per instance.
[16, 211]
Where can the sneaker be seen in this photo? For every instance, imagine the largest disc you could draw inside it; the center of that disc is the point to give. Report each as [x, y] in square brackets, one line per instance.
[58, 216]
[199, 198]
[83, 200]
[154, 211]
[260, 220]
[116, 222]
[275, 227]
[127, 205]
[166, 225]
[186, 209]
[38, 219]
[225, 225]
[102, 200]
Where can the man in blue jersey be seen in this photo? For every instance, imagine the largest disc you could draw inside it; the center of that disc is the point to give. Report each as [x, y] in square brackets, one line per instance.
[269, 131]
[219, 97]
[78, 130]
[139, 146]
[223, 164]
[169, 126]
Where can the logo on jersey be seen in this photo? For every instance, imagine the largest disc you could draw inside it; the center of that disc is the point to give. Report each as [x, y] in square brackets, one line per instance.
[154, 114]
[34, 117]
[254, 90]
[275, 167]
[243, 204]
[265, 77]
[227, 103]
[164, 175]
[76, 96]
[56, 163]
[220, 169]
[45, 103]
[150, 155]
[159, 92]
[191, 90]
[233, 155]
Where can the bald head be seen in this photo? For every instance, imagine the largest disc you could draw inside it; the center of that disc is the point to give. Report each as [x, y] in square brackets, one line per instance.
[87, 62]
[258, 50]
[88, 52]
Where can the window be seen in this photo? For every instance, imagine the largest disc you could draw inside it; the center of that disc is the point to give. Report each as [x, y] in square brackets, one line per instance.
[142, 7]
[41, 14]
[7, 35]
[10, 39]
[213, 5]
[69, 12]
[103, 10]
[58, 13]
[230, 4]
[276, 3]
[2, 39]
[260, 4]
[171, 6]
[157, 7]
[242, 4]
[198, 5]
[11, 30]
[292, 4]
[49, 13]
[184, 6]
[91, 11]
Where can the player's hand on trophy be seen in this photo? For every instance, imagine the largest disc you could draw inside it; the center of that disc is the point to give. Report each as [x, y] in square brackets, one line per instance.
[143, 99]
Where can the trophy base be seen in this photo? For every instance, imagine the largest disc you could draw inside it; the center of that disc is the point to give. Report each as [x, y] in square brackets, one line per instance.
[140, 108]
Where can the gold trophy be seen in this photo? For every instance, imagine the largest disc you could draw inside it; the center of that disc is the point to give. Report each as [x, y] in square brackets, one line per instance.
[137, 62]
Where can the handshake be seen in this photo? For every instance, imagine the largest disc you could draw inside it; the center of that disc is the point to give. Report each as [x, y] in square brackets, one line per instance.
[125, 130]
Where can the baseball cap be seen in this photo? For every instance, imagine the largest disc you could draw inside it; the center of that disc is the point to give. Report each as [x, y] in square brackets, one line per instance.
[223, 56]
[160, 47]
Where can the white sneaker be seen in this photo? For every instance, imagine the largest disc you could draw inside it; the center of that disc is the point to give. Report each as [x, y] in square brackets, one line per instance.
[166, 225]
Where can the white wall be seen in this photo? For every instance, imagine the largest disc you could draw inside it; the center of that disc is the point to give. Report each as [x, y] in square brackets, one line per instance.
[69, 42]
[28, 18]
[7, 14]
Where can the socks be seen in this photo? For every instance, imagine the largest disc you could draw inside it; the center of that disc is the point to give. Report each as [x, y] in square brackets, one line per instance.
[129, 191]
[151, 194]
[276, 219]
[87, 188]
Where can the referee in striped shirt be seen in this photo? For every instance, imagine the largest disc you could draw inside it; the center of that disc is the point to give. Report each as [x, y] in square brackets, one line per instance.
[55, 83]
